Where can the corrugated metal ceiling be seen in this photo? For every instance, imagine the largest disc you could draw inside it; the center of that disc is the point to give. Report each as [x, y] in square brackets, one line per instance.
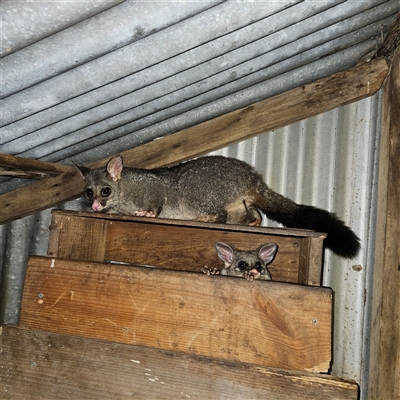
[100, 81]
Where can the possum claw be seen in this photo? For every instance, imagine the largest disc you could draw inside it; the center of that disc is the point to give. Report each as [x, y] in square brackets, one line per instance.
[143, 213]
[208, 271]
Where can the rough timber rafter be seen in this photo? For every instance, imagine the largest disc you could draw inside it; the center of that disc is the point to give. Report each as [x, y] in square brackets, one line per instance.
[27, 168]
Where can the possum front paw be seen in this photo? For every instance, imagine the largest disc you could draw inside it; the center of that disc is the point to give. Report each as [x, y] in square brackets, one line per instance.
[252, 275]
[208, 271]
[143, 213]
[207, 218]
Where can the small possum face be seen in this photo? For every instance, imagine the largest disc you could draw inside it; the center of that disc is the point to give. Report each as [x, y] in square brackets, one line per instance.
[250, 264]
[99, 191]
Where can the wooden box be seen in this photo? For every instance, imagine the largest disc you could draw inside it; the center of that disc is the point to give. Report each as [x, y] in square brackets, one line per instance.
[98, 322]
[181, 245]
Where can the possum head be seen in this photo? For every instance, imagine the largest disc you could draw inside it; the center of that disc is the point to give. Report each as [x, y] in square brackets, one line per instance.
[102, 189]
[250, 264]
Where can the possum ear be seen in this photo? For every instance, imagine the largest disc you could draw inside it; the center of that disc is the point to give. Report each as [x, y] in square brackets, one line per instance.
[267, 252]
[114, 167]
[225, 252]
[84, 171]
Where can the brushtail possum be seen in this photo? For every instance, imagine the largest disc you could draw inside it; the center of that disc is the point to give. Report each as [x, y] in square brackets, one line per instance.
[250, 264]
[209, 189]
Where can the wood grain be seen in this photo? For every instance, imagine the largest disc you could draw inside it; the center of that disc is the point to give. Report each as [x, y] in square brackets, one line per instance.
[49, 366]
[40, 195]
[260, 322]
[78, 238]
[384, 374]
[28, 168]
[180, 245]
[281, 110]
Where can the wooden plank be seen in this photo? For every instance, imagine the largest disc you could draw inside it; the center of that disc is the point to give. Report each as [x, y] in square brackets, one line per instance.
[261, 322]
[27, 168]
[310, 263]
[188, 248]
[297, 104]
[304, 260]
[79, 239]
[49, 366]
[178, 245]
[384, 374]
[315, 263]
[301, 233]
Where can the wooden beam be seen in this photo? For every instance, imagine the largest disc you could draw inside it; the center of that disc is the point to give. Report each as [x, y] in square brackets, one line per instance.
[384, 375]
[281, 110]
[19, 167]
[325, 94]
[49, 366]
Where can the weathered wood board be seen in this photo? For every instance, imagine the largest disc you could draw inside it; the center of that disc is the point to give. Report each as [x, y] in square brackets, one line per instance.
[384, 373]
[261, 322]
[28, 168]
[181, 245]
[49, 366]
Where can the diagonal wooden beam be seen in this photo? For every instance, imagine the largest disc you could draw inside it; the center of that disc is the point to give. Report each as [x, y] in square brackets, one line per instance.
[322, 95]
[27, 168]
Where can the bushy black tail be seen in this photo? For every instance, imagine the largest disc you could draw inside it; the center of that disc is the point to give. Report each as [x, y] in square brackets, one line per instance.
[340, 238]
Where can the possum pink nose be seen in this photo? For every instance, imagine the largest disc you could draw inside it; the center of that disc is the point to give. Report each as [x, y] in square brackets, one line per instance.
[96, 206]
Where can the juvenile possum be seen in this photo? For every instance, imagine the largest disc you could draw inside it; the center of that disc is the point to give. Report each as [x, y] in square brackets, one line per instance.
[209, 189]
[250, 264]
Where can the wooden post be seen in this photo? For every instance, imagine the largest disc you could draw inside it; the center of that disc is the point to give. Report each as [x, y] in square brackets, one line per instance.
[384, 375]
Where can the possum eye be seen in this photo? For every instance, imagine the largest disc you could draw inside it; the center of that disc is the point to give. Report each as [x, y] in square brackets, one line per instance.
[105, 192]
[89, 193]
[242, 265]
[258, 265]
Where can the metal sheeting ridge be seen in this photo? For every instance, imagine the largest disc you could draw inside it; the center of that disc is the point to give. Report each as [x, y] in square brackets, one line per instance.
[233, 77]
[193, 91]
[130, 121]
[127, 60]
[24, 23]
[65, 50]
